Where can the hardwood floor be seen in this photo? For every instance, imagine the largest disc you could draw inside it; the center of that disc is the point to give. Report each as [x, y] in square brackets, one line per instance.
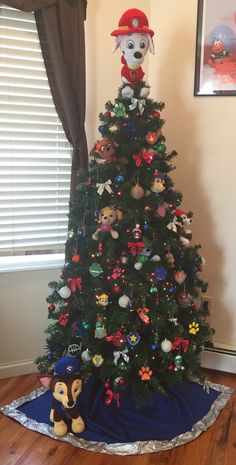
[19, 446]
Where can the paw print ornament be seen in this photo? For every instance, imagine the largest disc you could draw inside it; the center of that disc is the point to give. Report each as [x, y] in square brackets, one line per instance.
[145, 373]
[193, 328]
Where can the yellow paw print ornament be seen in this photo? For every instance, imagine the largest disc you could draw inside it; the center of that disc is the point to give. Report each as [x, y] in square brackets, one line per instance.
[193, 328]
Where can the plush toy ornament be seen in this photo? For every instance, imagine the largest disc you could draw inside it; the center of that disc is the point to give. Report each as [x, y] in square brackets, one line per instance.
[134, 38]
[107, 217]
[66, 387]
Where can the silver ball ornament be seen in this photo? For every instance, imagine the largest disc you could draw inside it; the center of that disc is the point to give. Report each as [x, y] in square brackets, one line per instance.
[124, 301]
[65, 292]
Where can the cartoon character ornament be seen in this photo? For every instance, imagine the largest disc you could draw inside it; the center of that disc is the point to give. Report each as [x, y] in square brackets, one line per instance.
[107, 217]
[178, 363]
[158, 184]
[102, 300]
[134, 38]
[100, 330]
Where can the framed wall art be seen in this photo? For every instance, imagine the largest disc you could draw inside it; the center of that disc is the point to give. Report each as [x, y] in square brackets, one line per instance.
[215, 67]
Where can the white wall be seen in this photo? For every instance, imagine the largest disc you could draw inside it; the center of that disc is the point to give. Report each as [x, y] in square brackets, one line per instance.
[201, 129]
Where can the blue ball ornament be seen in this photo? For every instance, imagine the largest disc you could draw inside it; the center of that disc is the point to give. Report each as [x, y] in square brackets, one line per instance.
[146, 226]
[102, 128]
[172, 290]
[119, 179]
[155, 346]
[160, 273]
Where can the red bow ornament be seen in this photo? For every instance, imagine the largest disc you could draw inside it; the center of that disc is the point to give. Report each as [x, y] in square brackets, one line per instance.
[75, 283]
[178, 342]
[117, 339]
[136, 247]
[145, 155]
[112, 396]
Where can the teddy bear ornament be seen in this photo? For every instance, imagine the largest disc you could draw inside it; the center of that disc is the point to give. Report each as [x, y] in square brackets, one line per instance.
[66, 386]
[134, 38]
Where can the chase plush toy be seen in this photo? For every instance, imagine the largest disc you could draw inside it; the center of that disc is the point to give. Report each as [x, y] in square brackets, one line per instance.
[66, 387]
[134, 38]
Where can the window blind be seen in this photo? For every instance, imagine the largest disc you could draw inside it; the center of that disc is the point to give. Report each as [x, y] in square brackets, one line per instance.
[35, 156]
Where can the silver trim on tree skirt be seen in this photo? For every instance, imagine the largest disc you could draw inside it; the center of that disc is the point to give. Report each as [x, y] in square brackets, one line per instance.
[131, 448]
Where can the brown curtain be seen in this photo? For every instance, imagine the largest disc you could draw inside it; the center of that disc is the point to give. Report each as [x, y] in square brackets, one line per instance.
[60, 26]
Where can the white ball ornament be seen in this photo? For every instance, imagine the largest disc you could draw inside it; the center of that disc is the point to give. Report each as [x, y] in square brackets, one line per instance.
[124, 301]
[85, 356]
[144, 92]
[156, 258]
[166, 345]
[127, 92]
[138, 266]
[65, 292]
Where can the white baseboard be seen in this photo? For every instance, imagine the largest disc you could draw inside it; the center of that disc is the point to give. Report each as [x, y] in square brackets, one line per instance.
[218, 360]
[22, 367]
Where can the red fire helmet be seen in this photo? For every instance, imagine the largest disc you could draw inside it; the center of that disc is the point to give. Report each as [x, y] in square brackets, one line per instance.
[132, 20]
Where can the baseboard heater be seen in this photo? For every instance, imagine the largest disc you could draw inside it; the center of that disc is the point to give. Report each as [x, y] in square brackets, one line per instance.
[218, 358]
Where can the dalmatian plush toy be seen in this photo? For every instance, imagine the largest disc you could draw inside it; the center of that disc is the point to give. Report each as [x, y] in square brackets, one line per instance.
[134, 38]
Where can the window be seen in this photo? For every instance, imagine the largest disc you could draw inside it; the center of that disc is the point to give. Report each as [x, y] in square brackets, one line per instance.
[35, 156]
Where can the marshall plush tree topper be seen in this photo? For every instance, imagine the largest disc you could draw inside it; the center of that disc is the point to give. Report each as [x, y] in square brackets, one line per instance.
[134, 38]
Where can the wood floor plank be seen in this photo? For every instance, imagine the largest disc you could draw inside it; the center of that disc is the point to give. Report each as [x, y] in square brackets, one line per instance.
[20, 446]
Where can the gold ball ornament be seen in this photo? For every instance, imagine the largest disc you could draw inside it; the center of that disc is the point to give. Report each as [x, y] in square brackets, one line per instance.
[137, 192]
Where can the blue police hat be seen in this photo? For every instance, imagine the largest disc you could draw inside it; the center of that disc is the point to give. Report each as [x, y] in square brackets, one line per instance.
[67, 366]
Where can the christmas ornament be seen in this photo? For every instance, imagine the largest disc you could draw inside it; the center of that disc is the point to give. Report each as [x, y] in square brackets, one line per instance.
[161, 148]
[180, 276]
[112, 396]
[119, 110]
[74, 349]
[51, 308]
[184, 299]
[100, 330]
[145, 373]
[116, 273]
[75, 283]
[116, 288]
[166, 345]
[155, 346]
[127, 92]
[86, 356]
[98, 360]
[172, 226]
[121, 353]
[104, 186]
[156, 258]
[161, 211]
[160, 273]
[86, 325]
[104, 151]
[137, 192]
[107, 217]
[178, 363]
[102, 300]
[133, 338]
[63, 319]
[152, 137]
[124, 259]
[143, 314]
[64, 292]
[117, 339]
[193, 328]
[119, 179]
[76, 258]
[156, 114]
[153, 290]
[81, 231]
[124, 301]
[95, 270]
[158, 184]
[70, 233]
[138, 266]
[178, 342]
[170, 258]
[136, 247]
[137, 232]
[102, 128]
[138, 104]
[145, 156]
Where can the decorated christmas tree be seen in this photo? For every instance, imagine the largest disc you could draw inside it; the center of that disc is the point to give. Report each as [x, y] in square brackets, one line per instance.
[128, 302]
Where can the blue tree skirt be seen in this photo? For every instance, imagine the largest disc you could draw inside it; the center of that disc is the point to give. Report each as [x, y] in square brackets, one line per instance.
[169, 421]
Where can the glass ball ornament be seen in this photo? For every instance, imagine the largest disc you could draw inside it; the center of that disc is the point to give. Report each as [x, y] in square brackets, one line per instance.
[51, 308]
[86, 356]
[124, 301]
[64, 292]
[154, 346]
[71, 234]
[137, 192]
[95, 270]
[166, 345]
[102, 128]
[119, 179]
[161, 148]
[138, 266]
[86, 325]
[116, 289]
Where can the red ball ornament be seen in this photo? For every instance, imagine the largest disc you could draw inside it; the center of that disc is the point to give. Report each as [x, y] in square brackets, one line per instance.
[107, 384]
[171, 367]
[156, 114]
[107, 114]
[51, 308]
[121, 382]
[117, 289]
